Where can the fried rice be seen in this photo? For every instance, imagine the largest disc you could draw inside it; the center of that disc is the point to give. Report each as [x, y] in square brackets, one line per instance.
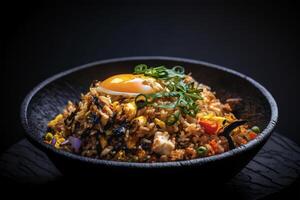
[112, 125]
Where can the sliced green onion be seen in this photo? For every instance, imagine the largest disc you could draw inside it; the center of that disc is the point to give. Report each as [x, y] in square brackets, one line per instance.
[193, 95]
[173, 118]
[162, 74]
[157, 72]
[141, 101]
[171, 86]
[178, 69]
[140, 68]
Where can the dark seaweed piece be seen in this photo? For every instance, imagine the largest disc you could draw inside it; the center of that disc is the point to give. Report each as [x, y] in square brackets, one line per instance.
[110, 122]
[118, 144]
[146, 144]
[69, 120]
[94, 83]
[85, 133]
[119, 131]
[130, 151]
[77, 126]
[227, 130]
[94, 119]
[50, 130]
[97, 103]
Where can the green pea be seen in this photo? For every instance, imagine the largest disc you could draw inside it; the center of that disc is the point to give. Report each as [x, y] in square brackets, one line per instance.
[255, 129]
[171, 120]
[202, 150]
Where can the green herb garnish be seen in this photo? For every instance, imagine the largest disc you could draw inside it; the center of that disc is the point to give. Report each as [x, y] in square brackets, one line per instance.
[186, 94]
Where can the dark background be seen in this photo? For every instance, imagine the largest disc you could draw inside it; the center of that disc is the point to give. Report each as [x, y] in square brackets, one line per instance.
[257, 38]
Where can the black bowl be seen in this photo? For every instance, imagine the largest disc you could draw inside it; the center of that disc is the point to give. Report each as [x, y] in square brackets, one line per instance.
[49, 97]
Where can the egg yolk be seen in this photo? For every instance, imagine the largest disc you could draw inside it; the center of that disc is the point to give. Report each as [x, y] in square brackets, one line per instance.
[129, 83]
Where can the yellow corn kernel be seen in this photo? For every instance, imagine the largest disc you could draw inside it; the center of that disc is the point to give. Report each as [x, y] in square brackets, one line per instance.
[61, 133]
[202, 115]
[159, 123]
[141, 120]
[219, 120]
[53, 122]
[49, 137]
[57, 145]
[130, 110]
[212, 117]
[116, 106]
[60, 140]
[230, 117]
[56, 136]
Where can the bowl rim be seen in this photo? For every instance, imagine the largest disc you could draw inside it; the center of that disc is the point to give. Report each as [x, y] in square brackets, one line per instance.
[198, 161]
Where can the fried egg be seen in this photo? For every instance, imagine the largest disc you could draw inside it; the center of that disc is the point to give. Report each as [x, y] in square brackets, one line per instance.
[131, 83]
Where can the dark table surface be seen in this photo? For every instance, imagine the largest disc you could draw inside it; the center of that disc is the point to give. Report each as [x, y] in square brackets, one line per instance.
[274, 169]
[47, 37]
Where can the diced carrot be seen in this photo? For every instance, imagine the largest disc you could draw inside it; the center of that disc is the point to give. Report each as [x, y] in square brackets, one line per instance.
[243, 141]
[252, 135]
[209, 127]
[214, 145]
